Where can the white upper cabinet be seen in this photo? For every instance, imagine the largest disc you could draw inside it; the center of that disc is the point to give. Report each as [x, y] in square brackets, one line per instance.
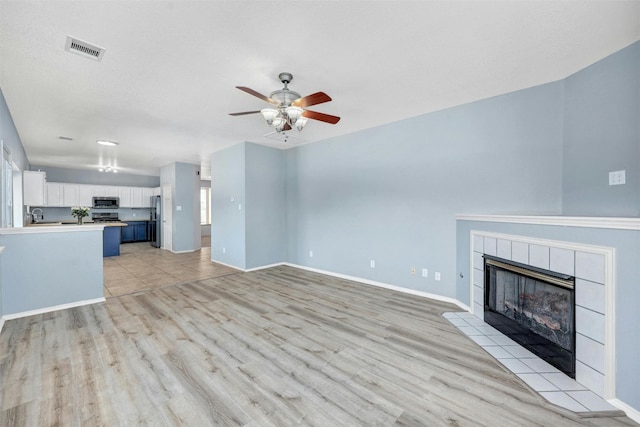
[85, 195]
[147, 193]
[125, 193]
[112, 191]
[98, 191]
[33, 188]
[70, 195]
[136, 197]
[55, 194]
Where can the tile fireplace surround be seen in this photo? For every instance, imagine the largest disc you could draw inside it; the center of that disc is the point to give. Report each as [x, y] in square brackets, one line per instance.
[594, 267]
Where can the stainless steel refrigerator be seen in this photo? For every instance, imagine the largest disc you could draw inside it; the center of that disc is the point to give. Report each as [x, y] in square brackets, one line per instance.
[155, 222]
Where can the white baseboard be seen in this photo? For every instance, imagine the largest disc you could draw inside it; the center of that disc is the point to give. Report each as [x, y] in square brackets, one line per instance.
[631, 412]
[53, 308]
[359, 280]
[262, 267]
[384, 285]
[228, 265]
[1, 324]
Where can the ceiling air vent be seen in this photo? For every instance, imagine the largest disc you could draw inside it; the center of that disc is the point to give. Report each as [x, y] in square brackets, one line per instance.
[83, 48]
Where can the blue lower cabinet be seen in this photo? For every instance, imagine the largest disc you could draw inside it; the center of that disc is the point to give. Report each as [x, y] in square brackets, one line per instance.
[135, 231]
[111, 241]
[126, 233]
[140, 232]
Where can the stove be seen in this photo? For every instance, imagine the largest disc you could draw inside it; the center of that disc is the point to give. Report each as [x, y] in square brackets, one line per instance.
[105, 217]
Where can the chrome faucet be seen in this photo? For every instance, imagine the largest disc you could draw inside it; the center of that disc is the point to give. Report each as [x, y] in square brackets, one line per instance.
[34, 215]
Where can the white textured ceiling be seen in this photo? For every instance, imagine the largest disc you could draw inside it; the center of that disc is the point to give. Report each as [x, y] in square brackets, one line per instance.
[168, 77]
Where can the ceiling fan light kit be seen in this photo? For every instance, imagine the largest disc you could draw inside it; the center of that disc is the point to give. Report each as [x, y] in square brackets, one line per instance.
[289, 111]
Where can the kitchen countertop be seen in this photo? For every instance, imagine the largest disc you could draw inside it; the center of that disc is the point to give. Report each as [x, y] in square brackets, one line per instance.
[69, 223]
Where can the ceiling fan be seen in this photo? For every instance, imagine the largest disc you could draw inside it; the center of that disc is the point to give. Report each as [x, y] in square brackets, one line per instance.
[290, 108]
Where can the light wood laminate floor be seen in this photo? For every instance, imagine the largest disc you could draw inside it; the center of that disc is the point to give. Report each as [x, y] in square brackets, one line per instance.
[276, 347]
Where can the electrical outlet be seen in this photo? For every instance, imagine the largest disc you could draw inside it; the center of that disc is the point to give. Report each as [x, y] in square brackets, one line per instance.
[413, 271]
[372, 264]
[437, 275]
[425, 272]
[310, 254]
[224, 250]
[617, 178]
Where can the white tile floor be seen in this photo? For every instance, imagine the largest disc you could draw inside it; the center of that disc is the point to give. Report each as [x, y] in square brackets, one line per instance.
[552, 384]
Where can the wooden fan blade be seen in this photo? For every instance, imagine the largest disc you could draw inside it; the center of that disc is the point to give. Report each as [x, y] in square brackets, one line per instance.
[313, 99]
[257, 94]
[286, 127]
[327, 118]
[244, 113]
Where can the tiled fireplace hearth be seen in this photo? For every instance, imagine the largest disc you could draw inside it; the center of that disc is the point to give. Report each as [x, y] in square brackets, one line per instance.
[600, 256]
[592, 267]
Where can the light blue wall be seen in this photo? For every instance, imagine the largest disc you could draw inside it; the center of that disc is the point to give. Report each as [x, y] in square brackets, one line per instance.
[186, 236]
[602, 134]
[10, 138]
[627, 269]
[265, 206]
[184, 179]
[79, 176]
[227, 194]
[40, 270]
[390, 193]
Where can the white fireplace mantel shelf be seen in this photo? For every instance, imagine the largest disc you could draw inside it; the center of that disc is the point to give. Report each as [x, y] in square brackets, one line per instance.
[619, 223]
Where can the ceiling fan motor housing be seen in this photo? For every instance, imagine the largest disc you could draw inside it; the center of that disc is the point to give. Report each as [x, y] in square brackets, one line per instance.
[284, 97]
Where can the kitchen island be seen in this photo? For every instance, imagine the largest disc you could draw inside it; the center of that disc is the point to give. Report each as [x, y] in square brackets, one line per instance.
[49, 267]
[111, 238]
[110, 233]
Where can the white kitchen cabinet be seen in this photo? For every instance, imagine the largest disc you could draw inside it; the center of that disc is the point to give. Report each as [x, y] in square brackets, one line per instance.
[157, 191]
[33, 183]
[147, 193]
[70, 195]
[55, 194]
[112, 191]
[125, 195]
[136, 197]
[85, 195]
[98, 191]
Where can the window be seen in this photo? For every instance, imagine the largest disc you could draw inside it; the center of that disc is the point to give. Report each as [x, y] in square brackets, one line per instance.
[205, 205]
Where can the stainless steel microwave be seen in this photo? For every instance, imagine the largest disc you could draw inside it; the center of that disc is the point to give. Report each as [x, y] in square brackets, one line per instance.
[106, 202]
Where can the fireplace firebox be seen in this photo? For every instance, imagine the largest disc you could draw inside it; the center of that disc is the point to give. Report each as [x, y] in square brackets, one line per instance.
[534, 307]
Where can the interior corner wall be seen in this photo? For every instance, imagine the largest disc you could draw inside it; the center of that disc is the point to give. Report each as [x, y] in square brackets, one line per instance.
[265, 211]
[390, 194]
[248, 207]
[601, 135]
[227, 206]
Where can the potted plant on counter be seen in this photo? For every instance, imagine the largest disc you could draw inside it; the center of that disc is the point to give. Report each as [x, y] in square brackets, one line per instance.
[79, 212]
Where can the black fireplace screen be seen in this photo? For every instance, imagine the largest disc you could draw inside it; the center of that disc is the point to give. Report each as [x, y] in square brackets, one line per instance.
[534, 307]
